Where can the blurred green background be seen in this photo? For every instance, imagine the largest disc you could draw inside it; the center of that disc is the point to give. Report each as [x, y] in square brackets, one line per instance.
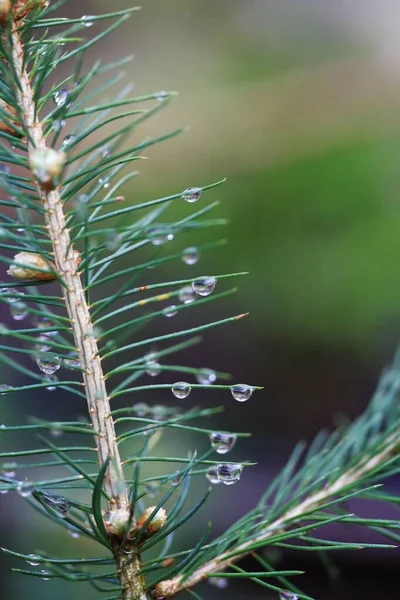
[297, 103]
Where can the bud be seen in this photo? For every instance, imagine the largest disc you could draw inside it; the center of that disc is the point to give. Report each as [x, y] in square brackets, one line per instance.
[10, 113]
[5, 7]
[116, 521]
[47, 165]
[164, 589]
[157, 521]
[31, 266]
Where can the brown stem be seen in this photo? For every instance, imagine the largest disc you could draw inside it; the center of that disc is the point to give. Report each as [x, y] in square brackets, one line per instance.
[78, 312]
[309, 505]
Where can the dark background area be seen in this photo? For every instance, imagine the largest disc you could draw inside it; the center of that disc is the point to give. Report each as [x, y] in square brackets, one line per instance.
[297, 103]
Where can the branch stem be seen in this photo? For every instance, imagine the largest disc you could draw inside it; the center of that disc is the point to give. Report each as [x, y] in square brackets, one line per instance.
[65, 259]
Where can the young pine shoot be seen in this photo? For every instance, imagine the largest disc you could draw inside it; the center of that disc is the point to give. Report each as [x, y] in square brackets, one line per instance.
[74, 257]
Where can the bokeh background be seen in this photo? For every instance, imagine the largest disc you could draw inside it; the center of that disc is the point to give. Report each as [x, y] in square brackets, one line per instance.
[297, 103]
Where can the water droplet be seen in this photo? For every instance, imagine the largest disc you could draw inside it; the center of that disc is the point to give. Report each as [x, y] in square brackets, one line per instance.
[153, 369]
[106, 151]
[3, 492]
[141, 409]
[45, 323]
[56, 432]
[159, 412]
[220, 582]
[241, 392]
[176, 479]
[61, 96]
[181, 389]
[191, 194]
[4, 388]
[206, 376]
[228, 473]
[190, 255]
[160, 235]
[187, 295]
[170, 311]
[44, 573]
[58, 124]
[203, 286]
[51, 379]
[12, 295]
[212, 475]
[222, 442]
[42, 344]
[161, 95]
[33, 560]
[57, 504]
[24, 489]
[18, 311]
[72, 362]
[152, 489]
[114, 241]
[48, 363]
[285, 595]
[74, 534]
[9, 469]
[87, 20]
[68, 141]
[105, 182]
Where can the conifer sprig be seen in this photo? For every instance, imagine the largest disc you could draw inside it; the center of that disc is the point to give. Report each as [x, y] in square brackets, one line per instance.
[76, 263]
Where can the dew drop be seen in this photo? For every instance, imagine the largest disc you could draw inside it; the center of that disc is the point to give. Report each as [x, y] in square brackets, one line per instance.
[3, 492]
[160, 235]
[141, 409]
[190, 255]
[58, 124]
[44, 574]
[219, 582]
[222, 442]
[206, 376]
[191, 194]
[152, 489]
[106, 151]
[153, 369]
[4, 388]
[12, 295]
[212, 475]
[161, 95]
[48, 363]
[33, 560]
[285, 595]
[61, 96]
[159, 412]
[87, 20]
[176, 479]
[241, 392]
[52, 379]
[104, 182]
[18, 311]
[56, 431]
[57, 504]
[181, 390]
[72, 362]
[42, 344]
[170, 311]
[203, 286]
[74, 534]
[68, 141]
[45, 323]
[24, 489]
[228, 473]
[187, 295]
[9, 469]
